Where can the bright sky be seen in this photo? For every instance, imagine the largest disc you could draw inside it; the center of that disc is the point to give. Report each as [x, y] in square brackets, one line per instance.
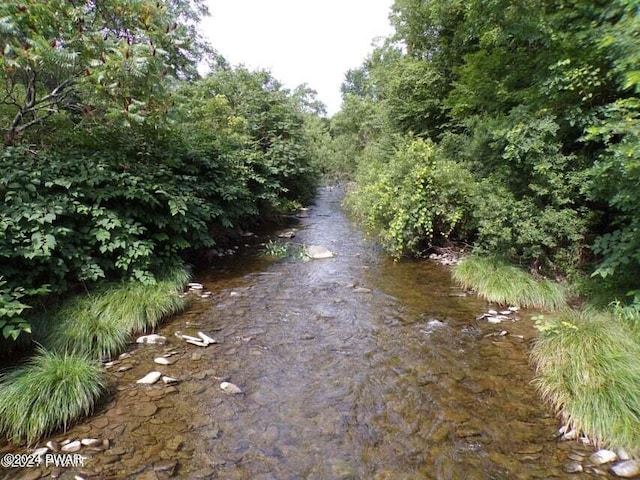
[299, 41]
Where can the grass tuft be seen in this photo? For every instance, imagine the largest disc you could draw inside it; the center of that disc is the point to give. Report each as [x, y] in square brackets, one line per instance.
[502, 283]
[588, 369]
[99, 324]
[49, 392]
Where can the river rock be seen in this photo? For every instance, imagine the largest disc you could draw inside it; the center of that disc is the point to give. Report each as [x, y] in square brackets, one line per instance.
[195, 286]
[164, 361]
[198, 343]
[38, 452]
[623, 454]
[317, 252]
[230, 388]
[494, 320]
[72, 447]
[207, 339]
[492, 312]
[150, 378]
[603, 456]
[53, 446]
[152, 339]
[627, 468]
[169, 380]
[91, 442]
[573, 467]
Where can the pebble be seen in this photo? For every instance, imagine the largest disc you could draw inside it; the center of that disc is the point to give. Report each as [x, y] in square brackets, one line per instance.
[91, 442]
[53, 446]
[169, 380]
[150, 378]
[195, 286]
[230, 388]
[494, 320]
[72, 447]
[627, 468]
[152, 339]
[206, 338]
[573, 467]
[38, 452]
[603, 456]
[492, 312]
[163, 361]
[196, 356]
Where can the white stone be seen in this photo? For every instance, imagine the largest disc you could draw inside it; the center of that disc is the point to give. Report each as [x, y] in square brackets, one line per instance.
[188, 337]
[506, 312]
[318, 252]
[169, 380]
[229, 387]
[514, 308]
[150, 378]
[38, 452]
[91, 442]
[494, 320]
[627, 468]
[492, 312]
[623, 454]
[53, 446]
[206, 338]
[603, 456]
[163, 361]
[195, 286]
[72, 447]
[152, 339]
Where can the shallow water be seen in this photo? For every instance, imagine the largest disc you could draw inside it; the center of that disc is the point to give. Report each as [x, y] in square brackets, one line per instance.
[355, 367]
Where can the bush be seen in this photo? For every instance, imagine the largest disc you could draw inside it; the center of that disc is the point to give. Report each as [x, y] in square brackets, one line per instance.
[50, 392]
[414, 200]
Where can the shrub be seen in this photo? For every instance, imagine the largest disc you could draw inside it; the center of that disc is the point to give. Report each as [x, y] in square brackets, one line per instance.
[415, 199]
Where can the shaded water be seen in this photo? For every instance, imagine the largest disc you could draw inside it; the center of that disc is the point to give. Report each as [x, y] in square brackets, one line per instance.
[353, 368]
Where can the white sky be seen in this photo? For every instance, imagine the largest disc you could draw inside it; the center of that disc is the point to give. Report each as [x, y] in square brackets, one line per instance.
[299, 41]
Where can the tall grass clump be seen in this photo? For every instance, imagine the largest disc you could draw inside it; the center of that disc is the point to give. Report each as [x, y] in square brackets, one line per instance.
[587, 368]
[499, 282]
[50, 392]
[99, 324]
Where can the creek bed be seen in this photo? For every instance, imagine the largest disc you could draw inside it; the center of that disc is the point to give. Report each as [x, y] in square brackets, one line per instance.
[355, 367]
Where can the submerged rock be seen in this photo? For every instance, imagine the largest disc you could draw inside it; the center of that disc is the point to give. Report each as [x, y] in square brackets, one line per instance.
[317, 252]
[230, 388]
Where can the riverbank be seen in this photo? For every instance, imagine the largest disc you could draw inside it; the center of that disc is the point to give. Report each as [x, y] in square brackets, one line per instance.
[586, 360]
[64, 379]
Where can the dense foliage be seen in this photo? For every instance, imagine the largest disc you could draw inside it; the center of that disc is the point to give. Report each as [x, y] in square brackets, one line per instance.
[118, 157]
[510, 125]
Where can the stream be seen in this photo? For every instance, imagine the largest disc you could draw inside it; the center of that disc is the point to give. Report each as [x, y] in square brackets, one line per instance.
[354, 367]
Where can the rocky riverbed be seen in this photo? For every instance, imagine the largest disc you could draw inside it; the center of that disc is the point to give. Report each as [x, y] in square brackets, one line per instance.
[346, 367]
